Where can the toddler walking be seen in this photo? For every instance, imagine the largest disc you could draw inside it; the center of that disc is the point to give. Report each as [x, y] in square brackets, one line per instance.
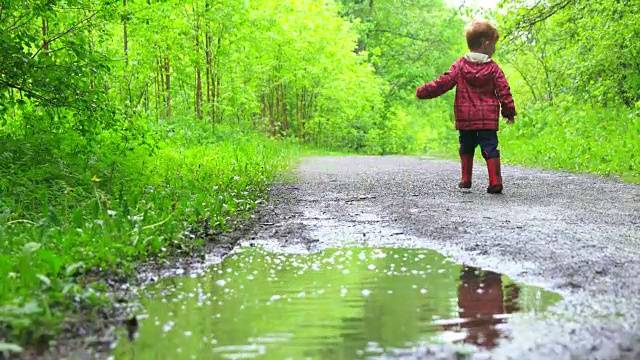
[482, 91]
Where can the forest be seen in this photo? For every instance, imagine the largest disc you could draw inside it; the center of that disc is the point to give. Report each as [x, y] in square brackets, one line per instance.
[128, 126]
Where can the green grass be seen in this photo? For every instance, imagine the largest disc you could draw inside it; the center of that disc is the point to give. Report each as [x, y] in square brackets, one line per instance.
[601, 141]
[71, 213]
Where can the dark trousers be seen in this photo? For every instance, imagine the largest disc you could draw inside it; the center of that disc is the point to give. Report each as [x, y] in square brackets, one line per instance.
[487, 139]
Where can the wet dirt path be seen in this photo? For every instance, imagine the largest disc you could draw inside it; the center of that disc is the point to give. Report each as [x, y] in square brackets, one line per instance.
[577, 235]
[356, 237]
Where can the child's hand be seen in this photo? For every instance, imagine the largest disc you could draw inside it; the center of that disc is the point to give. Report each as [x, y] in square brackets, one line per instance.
[511, 121]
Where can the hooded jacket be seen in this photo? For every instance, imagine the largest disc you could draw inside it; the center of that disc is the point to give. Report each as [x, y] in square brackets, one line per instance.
[482, 90]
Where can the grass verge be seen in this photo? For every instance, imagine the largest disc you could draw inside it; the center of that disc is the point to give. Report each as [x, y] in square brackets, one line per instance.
[72, 212]
[601, 141]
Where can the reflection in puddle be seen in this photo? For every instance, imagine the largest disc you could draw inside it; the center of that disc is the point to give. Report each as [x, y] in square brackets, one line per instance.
[483, 303]
[336, 304]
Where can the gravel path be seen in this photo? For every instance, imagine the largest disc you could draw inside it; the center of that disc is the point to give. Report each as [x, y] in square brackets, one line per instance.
[577, 235]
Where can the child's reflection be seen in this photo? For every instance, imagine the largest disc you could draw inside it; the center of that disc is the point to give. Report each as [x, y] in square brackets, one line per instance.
[481, 297]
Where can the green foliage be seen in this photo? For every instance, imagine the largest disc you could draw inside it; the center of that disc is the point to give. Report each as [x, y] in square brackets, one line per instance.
[581, 139]
[406, 39]
[576, 50]
[48, 71]
[283, 67]
[408, 42]
[103, 163]
[584, 139]
[573, 73]
[68, 220]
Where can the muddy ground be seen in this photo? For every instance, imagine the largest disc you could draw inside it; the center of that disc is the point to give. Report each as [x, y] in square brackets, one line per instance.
[578, 235]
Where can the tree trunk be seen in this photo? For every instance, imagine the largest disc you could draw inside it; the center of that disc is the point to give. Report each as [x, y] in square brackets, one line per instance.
[207, 45]
[301, 115]
[45, 33]
[547, 79]
[271, 122]
[198, 94]
[526, 81]
[159, 87]
[167, 69]
[285, 125]
[146, 98]
[92, 81]
[198, 74]
[264, 108]
[124, 32]
[218, 91]
[278, 115]
[208, 66]
[161, 76]
[216, 82]
[310, 102]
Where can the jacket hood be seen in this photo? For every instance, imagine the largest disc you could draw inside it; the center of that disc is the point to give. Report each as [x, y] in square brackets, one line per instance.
[477, 69]
[477, 57]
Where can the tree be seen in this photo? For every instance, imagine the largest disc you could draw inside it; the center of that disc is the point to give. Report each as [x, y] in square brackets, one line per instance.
[576, 49]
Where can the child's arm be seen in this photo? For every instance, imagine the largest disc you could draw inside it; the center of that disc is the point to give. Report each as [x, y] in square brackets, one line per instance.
[439, 86]
[503, 92]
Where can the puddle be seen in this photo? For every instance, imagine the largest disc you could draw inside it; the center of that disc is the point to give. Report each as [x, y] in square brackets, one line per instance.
[336, 304]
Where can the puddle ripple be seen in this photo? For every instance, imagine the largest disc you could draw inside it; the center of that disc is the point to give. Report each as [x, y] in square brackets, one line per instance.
[336, 304]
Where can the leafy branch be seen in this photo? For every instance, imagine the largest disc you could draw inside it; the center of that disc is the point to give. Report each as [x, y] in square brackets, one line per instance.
[17, 23]
[75, 27]
[402, 35]
[29, 92]
[536, 14]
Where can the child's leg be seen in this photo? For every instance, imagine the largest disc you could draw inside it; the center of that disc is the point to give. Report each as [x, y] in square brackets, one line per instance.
[468, 143]
[489, 144]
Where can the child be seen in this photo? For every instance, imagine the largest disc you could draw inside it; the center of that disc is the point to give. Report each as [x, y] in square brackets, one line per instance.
[482, 90]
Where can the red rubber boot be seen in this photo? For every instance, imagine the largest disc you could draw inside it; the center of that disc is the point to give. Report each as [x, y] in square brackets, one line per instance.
[467, 171]
[495, 176]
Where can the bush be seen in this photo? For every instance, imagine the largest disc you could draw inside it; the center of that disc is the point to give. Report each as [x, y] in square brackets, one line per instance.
[574, 138]
[582, 139]
[71, 211]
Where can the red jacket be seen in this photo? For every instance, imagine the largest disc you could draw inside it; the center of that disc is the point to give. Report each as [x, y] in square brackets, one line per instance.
[481, 90]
